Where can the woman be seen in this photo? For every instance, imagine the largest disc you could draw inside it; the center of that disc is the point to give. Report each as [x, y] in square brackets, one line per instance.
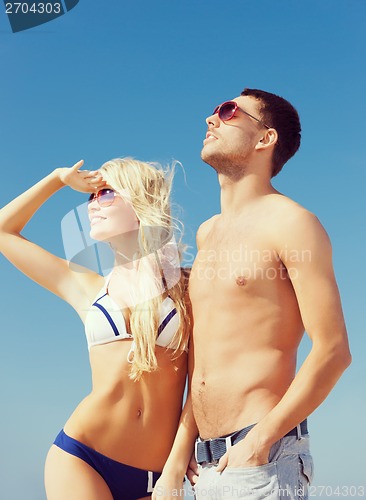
[116, 442]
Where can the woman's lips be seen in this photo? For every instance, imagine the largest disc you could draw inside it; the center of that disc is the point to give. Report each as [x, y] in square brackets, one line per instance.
[95, 220]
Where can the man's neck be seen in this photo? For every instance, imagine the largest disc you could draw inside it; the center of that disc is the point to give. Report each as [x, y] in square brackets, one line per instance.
[236, 195]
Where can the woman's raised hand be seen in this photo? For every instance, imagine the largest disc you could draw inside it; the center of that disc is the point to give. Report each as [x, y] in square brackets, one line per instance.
[85, 181]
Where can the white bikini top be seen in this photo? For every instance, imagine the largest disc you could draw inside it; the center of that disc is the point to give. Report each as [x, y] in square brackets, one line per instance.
[105, 322]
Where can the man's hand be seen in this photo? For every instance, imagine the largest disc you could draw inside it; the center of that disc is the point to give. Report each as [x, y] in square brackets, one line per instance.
[247, 453]
[192, 471]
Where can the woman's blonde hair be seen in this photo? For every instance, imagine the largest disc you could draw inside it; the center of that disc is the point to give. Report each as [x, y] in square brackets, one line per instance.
[149, 187]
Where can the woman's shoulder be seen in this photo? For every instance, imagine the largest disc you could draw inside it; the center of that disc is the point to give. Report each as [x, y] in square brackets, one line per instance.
[89, 284]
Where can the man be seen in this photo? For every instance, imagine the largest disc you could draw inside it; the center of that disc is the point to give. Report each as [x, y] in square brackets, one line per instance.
[263, 274]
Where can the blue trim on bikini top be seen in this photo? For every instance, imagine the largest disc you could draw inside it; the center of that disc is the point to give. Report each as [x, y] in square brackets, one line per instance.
[163, 324]
[165, 321]
[107, 315]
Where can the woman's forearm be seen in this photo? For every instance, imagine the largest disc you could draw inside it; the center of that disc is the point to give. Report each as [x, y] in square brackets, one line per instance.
[16, 214]
[46, 269]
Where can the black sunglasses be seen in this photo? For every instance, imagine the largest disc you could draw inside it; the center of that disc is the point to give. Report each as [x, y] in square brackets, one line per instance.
[227, 110]
[105, 197]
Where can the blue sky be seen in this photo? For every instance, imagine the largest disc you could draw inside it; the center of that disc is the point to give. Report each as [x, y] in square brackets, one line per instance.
[137, 79]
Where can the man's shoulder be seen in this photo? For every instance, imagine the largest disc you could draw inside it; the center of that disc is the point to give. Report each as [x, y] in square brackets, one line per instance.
[288, 211]
[291, 224]
[205, 228]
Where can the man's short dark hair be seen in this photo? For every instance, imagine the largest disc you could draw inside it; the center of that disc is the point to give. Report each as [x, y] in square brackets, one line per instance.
[278, 113]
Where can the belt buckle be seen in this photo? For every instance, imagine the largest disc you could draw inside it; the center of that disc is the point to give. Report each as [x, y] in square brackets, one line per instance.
[228, 445]
[196, 448]
[206, 444]
[212, 461]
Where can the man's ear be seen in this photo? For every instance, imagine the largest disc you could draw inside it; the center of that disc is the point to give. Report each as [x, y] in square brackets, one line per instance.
[269, 139]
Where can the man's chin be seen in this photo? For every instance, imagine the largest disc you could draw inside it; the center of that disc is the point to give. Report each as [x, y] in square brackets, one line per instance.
[205, 155]
[208, 158]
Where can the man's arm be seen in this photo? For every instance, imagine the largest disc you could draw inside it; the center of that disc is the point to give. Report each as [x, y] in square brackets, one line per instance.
[312, 277]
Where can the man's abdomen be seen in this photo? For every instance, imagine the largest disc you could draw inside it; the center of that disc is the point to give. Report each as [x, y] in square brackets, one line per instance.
[231, 391]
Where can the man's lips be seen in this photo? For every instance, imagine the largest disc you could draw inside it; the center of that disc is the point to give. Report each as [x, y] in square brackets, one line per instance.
[210, 137]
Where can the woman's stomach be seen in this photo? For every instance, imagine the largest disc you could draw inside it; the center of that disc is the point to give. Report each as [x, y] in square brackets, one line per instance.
[133, 422]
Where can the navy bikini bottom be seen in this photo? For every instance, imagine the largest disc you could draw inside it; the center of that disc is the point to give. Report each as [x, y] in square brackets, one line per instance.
[124, 481]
